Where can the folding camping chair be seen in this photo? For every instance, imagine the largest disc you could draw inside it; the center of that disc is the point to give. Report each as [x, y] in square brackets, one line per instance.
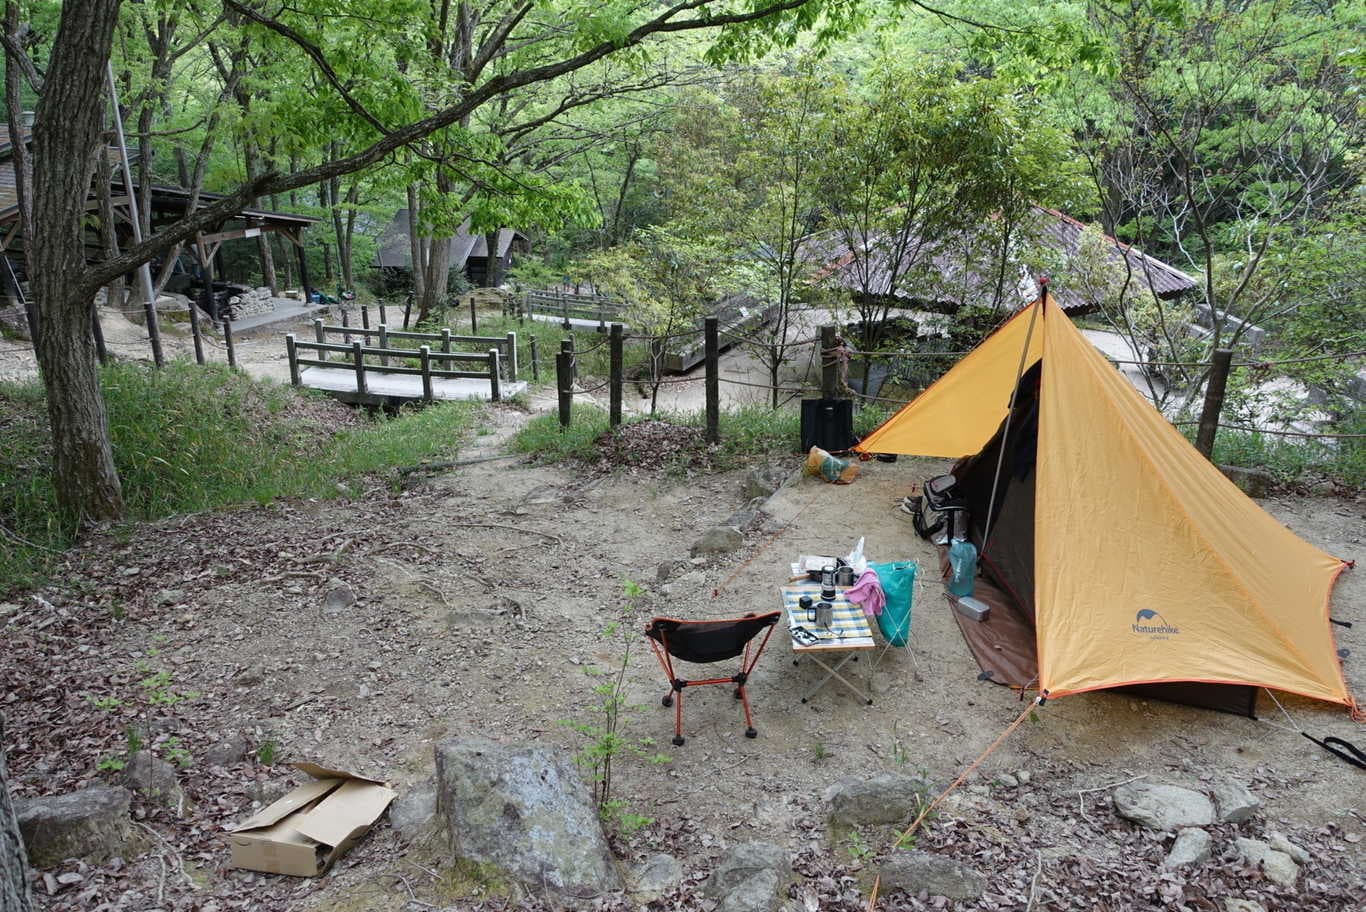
[704, 642]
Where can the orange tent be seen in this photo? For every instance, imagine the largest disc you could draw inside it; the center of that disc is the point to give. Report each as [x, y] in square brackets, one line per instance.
[1148, 565]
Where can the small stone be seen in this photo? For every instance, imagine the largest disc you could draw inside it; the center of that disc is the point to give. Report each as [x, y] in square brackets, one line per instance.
[1024, 776]
[1192, 846]
[251, 677]
[1009, 780]
[1233, 802]
[1280, 843]
[1242, 905]
[338, 599]
[227, 751]
[152, 776]
[883, 798]
[168, 597]
[655, 878]
[1278, 867]
[664, 569]
[1252, 482]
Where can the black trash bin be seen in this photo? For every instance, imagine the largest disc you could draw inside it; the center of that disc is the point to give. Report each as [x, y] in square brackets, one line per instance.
[828, 424]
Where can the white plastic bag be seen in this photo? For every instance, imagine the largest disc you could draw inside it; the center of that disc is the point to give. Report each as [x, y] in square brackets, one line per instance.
[856, 560]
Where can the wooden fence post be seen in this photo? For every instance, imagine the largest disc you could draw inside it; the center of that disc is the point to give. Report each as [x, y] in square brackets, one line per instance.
[426, 354]
[563, 382]
[346, 323]
[829, 364]
[383, 341]
[358, 357]
[564, 309]
[616, 375]
[711, 354]
[1214, 402]
[100, 349]
[227, 343]
[535, 362]
[512, 356]
[382, 318]
[407, 311]
[294, 377]
[319, 336]
[495, 383]
[365, 317]
[567, 348]
[446, 340]
[474, 319]
[194, 327]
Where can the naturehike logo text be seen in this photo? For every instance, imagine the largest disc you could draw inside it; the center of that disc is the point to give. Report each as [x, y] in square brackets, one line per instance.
[1161, 628]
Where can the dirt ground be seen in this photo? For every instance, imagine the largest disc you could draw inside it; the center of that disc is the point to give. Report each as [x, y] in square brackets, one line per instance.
[482, 595]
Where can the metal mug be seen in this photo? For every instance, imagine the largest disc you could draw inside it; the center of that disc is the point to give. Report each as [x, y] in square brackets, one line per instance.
[844, 576]
[825, 614]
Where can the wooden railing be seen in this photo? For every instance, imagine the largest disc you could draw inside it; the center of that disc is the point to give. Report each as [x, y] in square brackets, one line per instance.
[569, 306]
[386, 359]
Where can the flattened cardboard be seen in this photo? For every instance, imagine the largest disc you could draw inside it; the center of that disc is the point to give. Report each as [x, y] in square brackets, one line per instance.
[311, 827]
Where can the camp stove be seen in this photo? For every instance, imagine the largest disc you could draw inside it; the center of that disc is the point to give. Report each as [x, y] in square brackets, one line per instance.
[939, 496]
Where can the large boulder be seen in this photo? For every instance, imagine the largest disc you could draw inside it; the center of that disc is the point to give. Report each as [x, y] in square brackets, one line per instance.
[655, 878]
[1163, 807]
[525, 810]
[937, 875]
[90, 824]
[884, 798]
[413, 810]
[751, 877]
[1253, 482]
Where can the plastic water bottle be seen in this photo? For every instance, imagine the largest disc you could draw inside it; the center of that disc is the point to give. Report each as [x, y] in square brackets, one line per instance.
[962, 567]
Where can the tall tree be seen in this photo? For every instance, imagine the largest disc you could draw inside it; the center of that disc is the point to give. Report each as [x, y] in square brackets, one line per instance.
[530, 42]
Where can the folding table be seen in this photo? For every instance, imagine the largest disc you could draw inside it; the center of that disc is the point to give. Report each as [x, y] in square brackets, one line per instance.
[848, 635]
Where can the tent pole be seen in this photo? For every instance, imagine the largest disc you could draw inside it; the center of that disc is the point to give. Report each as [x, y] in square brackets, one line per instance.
[1010, 413]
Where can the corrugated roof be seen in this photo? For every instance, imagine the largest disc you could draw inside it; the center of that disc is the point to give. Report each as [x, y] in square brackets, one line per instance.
[1059, 233]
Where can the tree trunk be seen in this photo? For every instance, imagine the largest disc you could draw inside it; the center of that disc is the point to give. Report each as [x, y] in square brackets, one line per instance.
[66, 135]
[14, 892]
[417, 247]
[493, 266]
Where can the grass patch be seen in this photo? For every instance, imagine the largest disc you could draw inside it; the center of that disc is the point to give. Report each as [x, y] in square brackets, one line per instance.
[1292, 459]
[201, 437]
[546, 441]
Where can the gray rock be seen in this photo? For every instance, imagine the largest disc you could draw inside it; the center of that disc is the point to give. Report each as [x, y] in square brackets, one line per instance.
[937, 875]
[1009, 780]
[1233, 802]
[751, 877]
[1191, 848]
[155, 778]
[1242, 905]
[1252, 482]
[230, 749]
[168, 597]
[250, 677]
[1280, 843]
[717, 540]
[1163, 807]
[665, 570]
[763, 481]
[744, 517]
[1024, 776]
[413, 810]
[523, 809]
[655, 878]
[884, 798]
[338, 598]
[91, 824]
[1278, 867]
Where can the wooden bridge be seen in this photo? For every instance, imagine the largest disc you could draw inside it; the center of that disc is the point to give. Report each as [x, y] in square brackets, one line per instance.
[391, 373]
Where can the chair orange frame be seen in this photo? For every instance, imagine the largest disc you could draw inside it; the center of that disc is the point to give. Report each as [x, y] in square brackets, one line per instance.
[704, 642]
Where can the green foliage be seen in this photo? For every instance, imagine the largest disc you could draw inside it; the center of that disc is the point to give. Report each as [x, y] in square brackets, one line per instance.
[545, 440]
[606, 740]
[267, 751]
[190, 438]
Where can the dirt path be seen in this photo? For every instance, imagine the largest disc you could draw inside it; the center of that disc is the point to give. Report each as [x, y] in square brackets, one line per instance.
[481, 599]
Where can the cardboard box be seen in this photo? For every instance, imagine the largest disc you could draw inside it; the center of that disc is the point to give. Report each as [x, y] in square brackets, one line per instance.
[307, 830]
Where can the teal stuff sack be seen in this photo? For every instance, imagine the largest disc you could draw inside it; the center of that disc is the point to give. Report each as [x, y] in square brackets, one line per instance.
[897, 579]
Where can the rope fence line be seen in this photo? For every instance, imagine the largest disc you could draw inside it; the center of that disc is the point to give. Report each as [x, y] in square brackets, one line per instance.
[1250, 430]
